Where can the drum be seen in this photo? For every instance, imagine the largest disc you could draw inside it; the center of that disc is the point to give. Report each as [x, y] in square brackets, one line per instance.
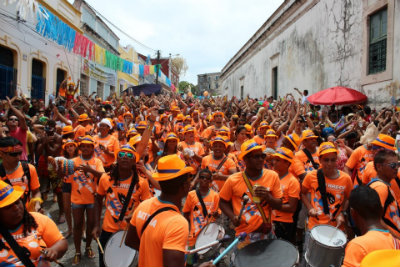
[325, 246]
[119, 256]
[208, 234]
[267, 253]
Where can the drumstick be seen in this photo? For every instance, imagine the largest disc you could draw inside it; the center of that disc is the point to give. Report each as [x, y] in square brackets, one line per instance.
[240, 237]
[333, 234]
[245, 200]
[100, 247]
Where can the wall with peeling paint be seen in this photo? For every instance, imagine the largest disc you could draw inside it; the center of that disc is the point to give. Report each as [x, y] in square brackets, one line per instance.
[318, 46]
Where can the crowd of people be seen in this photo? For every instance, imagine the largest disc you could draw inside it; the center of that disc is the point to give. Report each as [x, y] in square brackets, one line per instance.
[174, 164]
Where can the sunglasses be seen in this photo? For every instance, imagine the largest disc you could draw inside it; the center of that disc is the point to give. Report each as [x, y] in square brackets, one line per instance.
[127, 154]
[14, 154]
[394, 165]
[202, 177]
[13, 119]
[258, 156]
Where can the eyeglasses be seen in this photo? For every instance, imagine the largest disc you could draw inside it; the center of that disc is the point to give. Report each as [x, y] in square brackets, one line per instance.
[394, 165]
[127, 154]
[14, 154]
[258, 156]
[13, 119]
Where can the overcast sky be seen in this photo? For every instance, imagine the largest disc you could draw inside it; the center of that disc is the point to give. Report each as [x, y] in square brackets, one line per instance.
[207, 33]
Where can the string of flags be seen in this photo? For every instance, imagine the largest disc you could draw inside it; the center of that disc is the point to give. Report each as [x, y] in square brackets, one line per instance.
[51, 27]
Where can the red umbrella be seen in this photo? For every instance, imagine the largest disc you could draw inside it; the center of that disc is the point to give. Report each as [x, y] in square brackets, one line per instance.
[337, 95]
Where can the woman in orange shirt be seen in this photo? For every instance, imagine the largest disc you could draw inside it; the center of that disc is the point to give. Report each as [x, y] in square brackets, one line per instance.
[105, 144]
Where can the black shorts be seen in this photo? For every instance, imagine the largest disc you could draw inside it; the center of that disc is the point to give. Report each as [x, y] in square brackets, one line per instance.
[66, 188]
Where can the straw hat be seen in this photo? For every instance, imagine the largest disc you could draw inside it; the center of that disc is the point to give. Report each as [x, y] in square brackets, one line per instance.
[170, 167]
[247, 147]
[385, 141]
[9, 194]
[326, 147]
[284, 153]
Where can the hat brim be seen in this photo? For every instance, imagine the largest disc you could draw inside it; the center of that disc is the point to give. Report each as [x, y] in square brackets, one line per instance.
[13, 197]
[296, 147]
[169, 176]
[86, 142]
[330, 150]
[87, 119]
[271, 135]
[70, 132]
[377, 143]
[244, 153]
[310, 137]
[219, 141]
[282, 157]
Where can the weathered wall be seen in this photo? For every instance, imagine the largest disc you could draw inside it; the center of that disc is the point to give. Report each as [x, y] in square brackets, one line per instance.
[319, 46]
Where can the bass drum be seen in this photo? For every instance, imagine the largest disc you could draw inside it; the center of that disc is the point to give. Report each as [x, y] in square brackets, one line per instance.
[119, 256]
[267, 253]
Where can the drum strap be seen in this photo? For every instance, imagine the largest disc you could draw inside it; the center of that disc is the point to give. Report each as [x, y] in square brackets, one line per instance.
[203, 206]
[260, 209]
[128, 196]
[22, 253]
[322, 190]
[152, 216]
[311, 159]
[221, 164]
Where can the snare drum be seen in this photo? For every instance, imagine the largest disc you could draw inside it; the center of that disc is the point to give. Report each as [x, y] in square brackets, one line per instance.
[267, 253]
[119, 256]
[325, 246]
[208, 234]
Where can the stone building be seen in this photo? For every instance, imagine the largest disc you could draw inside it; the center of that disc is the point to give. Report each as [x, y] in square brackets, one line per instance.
[316, 44]
[209, 82]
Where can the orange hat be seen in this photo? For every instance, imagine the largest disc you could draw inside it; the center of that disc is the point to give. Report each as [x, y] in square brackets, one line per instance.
[141, 125]
[69, 142]
[294, 140]
[132, 131]
[170, 167]
[220, 139]
[134, 140]
[263, 124]
[284, 153]
[87, 139]
[247, 147]
[175, 108]
[271, 133]
[249, 130]
[308, 134]
[180, 117]
[171, 136]
[9, 194]
[385, 141]
[223, 131]
[227, 141]
[326, 147]
[217, 113]
[128, 114]
[382, 258]
[129, 149]
[67, 130]
[188, 128]
[83, 117]
[235, 116]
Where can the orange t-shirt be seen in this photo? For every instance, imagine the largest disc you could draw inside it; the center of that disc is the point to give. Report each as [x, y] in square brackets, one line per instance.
[337, 190]
[197, 220]
[359, 159]
[83, 186]
[168, 230]
[233, 191]
[116, 196]
[392, 212]
[212, 164]
[18, 178]
[45, 235]
[360, 246]
[290, 187]
[109, 142]
[301, 163]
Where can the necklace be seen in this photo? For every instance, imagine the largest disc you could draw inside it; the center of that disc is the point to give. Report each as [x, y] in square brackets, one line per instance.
[9, 172]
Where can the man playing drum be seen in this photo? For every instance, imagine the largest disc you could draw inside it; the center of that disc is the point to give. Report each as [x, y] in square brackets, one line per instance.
[164, 242]
[261, 186]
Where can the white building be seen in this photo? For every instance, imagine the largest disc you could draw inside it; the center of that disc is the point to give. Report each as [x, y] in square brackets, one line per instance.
[30, 62]
[317, 44]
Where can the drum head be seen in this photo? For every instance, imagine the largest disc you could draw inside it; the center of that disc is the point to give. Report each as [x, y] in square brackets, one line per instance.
[267, 253]
[328, 235]
[116, 256]
[207, 235]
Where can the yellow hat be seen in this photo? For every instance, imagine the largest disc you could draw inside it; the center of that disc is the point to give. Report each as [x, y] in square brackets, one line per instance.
[248, 128]
[384, 141]
[223, 131]
[218, 138]
[141, 125]
[382, 258]
[134, 140]
[69, 142]
[263, 124]
[284, 153]
[180, 117]
[294, 140]
[170, 167]
[308, 134]
[83, 117]
[87, 139]
[270, 133]
[326, 147]
[9, 194]
[129, 149]
[171, 136]
[188, 128]
[227, 141]
[187, 117]
[67, 130]
[247, 147]
[175, 108]
[132, 131]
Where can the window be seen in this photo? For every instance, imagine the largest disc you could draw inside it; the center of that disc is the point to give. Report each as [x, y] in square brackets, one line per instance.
[275, 82]
[8, 74]
[61, 74]
[84, 85]
[100, 89]
[241, 91]
[38, 83]
[377, 42]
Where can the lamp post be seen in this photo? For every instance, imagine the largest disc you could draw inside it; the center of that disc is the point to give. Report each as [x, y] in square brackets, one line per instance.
[170, 64]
